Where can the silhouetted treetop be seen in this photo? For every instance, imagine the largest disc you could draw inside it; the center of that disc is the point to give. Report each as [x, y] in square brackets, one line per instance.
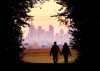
[13, 15]
[86, 17]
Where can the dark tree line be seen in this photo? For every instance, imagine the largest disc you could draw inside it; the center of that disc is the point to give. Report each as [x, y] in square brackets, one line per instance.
[13, 15]
[86, 15]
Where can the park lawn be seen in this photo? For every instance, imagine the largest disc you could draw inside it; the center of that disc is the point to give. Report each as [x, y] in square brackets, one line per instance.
[43, 56]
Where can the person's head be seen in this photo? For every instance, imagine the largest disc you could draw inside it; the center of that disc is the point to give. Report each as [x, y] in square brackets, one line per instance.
[55, 43]
[65, 43]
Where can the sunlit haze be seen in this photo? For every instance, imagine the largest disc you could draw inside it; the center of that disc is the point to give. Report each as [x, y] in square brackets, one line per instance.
[42, 13]
[42, 17]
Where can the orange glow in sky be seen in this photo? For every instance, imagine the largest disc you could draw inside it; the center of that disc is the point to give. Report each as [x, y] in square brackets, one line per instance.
[42, 13]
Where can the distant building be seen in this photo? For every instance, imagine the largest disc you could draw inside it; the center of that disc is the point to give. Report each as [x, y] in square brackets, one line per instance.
[57, 37]
[51, 32]
[42, 35]
[31, 32]
[36, 34]
[46, 35]
[39, 32]
[61, 35]
[61, 32]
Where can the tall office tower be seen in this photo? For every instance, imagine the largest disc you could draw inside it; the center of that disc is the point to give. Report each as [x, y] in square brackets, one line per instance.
[46, 35]
[61, 32]
[31, 32]
[51, 32]
[42, 35]
[57, 37]
[61, 35]
[39, 32]
[35, 34]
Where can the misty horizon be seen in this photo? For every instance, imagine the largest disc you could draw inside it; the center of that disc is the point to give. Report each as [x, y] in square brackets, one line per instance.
[41, 37]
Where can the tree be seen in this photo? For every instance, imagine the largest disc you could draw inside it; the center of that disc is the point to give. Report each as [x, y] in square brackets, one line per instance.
[13, 15]
[86, 17]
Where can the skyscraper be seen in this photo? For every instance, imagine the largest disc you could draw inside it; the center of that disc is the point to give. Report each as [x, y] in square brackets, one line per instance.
[61, 32]
[61, 36]
[51, 32]
[39, 32]
[42, 35]
[57, 37]
[31, 32]
[46, 35]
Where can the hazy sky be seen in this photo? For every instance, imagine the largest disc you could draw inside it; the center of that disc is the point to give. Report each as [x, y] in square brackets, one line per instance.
[42, 13]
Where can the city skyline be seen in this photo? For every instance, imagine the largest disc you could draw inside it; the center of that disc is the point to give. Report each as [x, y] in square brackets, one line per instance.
[42, 37]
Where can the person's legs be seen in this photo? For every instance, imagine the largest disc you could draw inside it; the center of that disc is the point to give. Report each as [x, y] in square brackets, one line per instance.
[66, 59]
[55, 59]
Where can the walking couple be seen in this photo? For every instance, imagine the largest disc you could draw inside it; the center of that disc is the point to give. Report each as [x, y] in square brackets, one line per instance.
[65, 52]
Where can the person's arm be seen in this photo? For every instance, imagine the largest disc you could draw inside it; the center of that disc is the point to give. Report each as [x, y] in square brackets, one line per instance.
[59, 51]
[50, 51]
[69, 52]
[62, 49]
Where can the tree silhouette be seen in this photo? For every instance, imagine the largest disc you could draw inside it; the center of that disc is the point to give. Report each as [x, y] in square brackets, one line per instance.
[86, 16]
[13, 15]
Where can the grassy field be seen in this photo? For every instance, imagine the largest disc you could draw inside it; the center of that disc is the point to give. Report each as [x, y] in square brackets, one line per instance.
[43, 56]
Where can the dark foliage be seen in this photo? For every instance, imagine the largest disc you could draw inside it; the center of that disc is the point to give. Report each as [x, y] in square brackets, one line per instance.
[11, 14]
[86, 16]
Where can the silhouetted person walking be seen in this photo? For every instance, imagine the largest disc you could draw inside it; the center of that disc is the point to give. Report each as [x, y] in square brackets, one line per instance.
[66, 52]
[54, 52]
